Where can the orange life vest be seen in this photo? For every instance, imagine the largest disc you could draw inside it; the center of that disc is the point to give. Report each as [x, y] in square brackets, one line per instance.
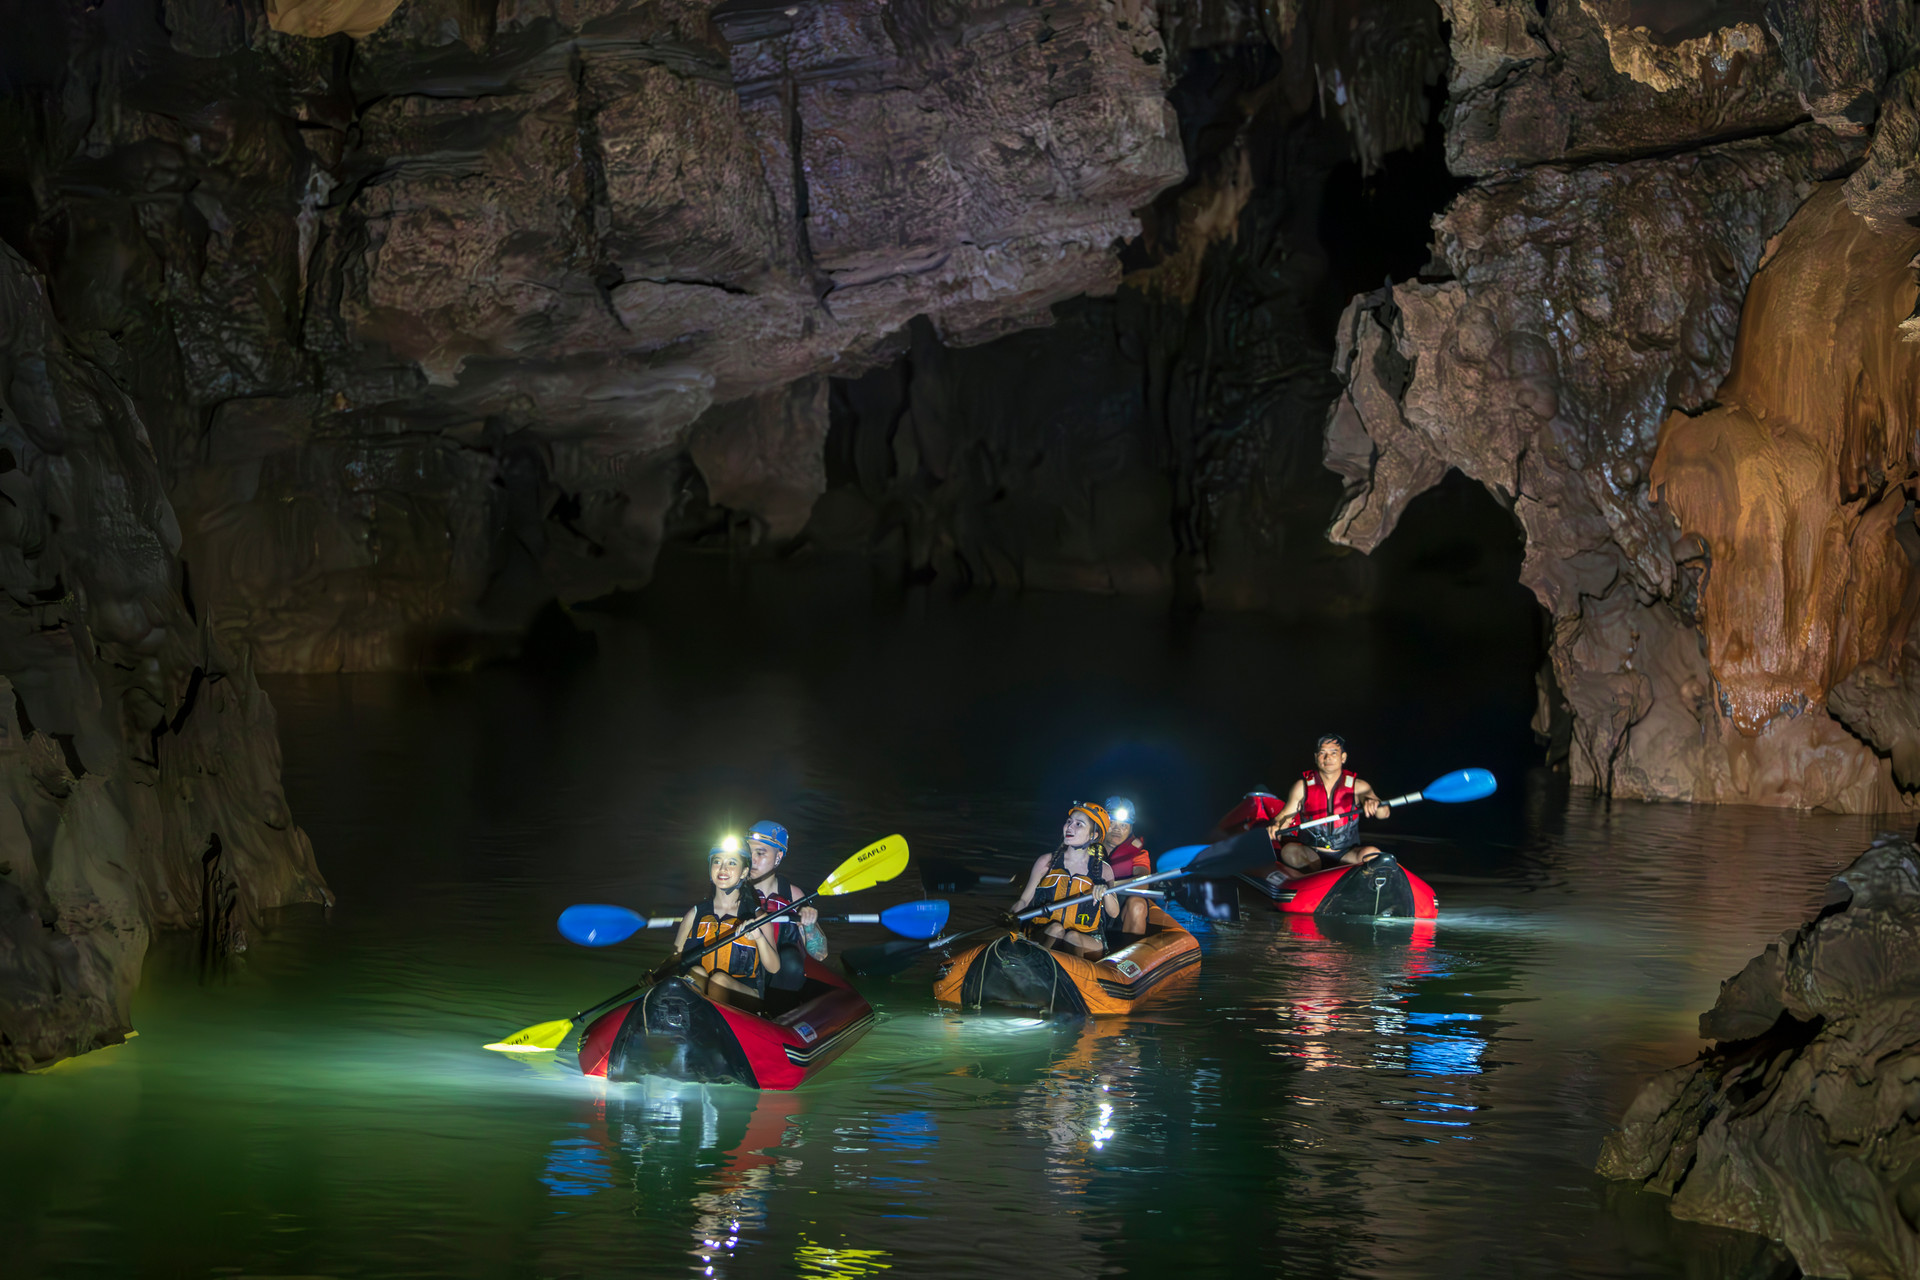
[1059, 884]
[740, 960]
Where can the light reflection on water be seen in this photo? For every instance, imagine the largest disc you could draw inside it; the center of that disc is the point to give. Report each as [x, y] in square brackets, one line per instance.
[1321, 1099]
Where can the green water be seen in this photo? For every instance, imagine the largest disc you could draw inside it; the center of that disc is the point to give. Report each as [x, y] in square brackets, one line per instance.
[1346, 1102]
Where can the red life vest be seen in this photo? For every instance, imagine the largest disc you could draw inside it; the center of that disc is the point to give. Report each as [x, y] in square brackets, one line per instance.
[783, 895]
[1131, 859]
[1317, 804]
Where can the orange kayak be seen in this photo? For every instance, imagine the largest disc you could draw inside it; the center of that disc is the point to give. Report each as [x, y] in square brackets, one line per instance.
[1014, 970]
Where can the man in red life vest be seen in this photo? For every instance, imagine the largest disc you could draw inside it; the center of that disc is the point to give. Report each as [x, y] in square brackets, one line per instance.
[1129, 857]
[1321, 792]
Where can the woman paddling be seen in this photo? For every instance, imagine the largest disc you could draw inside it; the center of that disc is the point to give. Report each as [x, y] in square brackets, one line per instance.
[1077, 867]
[735, 974]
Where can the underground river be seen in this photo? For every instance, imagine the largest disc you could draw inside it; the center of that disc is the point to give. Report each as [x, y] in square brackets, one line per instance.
[1360, 1101]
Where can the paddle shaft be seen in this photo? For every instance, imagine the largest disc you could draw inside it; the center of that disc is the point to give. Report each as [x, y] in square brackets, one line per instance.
[1223, 858]
[1412, 797]
[1118, 886]
[685, 964]
[666, 970]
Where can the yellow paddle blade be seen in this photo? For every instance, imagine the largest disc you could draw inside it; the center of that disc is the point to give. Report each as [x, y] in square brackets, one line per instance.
[538, 1038]
[881, 860]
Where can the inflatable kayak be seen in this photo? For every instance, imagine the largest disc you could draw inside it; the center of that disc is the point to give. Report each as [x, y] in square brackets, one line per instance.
[1256, 806]
[1014, 970]
[1378, 887]
[675, 1032]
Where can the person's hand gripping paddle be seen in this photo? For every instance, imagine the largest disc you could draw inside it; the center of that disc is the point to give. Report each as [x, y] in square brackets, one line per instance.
[1243, 852]
[880, 861]
[1457, 787]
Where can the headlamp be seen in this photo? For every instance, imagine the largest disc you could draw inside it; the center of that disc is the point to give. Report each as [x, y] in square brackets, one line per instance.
[1123, 815]
[730, 843]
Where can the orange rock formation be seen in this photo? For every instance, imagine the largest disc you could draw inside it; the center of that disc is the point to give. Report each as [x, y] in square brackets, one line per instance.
[1796, 481]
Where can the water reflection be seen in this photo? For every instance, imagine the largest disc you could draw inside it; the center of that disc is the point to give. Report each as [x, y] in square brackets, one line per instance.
[1391, 1103]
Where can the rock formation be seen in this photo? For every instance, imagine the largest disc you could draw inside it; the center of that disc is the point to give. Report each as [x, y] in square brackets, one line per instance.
[1714, 494]
[351, 335]
[1168, 437]
[1799, 1124]
[1793, 480]
[139, 763]
[428, 322]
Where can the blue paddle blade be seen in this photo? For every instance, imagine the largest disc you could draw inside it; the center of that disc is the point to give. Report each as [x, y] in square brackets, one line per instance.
[597, 925]
[923, 919]
[1174, 859]
[1460, 785]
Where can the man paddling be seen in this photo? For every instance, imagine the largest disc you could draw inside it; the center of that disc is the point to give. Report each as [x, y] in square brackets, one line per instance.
[1129, 856]
[1327, 790]
[767, 843]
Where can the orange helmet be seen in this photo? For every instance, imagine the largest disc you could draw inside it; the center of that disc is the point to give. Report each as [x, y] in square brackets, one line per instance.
[1096, 817]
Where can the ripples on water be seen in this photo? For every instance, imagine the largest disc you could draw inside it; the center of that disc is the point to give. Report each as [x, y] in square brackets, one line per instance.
[1337, 1100]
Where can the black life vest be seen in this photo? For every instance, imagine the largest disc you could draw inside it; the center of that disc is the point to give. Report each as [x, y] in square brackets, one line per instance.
[793, 963]
[1059, 884]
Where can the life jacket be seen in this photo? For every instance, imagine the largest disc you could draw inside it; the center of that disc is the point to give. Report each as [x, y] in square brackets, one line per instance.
[793, 963]
[1059, 884]
[1131, 859]
[1318, 804]
[739, 960]
[782, 894]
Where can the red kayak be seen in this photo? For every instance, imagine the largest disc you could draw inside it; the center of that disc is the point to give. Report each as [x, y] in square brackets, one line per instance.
[675, 1032]
[1255, 806]
[1378, 887]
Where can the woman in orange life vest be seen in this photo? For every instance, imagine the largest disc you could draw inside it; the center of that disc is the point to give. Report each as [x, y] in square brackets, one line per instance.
[1078, 866]
[1129, 856]
[1326, 790]
[736, 974]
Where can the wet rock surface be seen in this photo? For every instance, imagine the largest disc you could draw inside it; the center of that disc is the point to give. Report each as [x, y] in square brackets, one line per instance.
[1714, 482]
[426, 315]
[139, 761]
[1166, 439]
[376, 328]
[1799, 1124]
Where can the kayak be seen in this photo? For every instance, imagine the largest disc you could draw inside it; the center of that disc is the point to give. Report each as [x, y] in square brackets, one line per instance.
[1380, 887]
[675, 1032]
[1014, 970]
[1256, 806]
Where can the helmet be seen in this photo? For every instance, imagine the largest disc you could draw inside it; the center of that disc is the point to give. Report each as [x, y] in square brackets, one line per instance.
[1120, 809]
[729, 844]
[769, 832]
[1096, 816]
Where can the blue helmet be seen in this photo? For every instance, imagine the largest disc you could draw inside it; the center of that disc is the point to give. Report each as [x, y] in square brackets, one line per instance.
[768, 832]
[1120, 808]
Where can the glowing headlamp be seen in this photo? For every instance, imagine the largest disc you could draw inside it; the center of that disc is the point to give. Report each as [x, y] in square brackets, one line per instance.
[1123, 815]
[730, 844]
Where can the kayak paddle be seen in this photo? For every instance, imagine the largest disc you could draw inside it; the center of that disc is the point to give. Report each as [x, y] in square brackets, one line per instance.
[882, 860]
[1245, 851]
[599, 925]
[920, 919]
[1457, 787]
